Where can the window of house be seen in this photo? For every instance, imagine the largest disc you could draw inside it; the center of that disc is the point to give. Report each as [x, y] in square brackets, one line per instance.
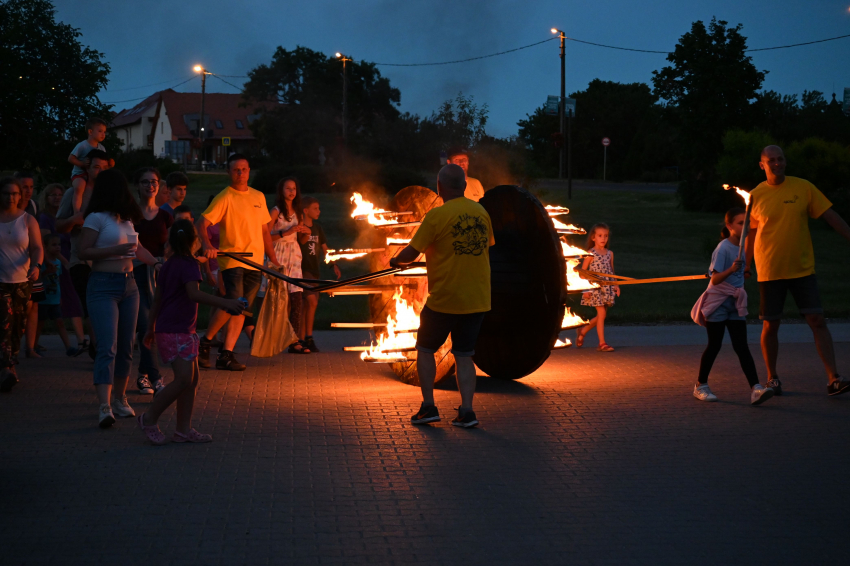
[239, 125]
[219, 125]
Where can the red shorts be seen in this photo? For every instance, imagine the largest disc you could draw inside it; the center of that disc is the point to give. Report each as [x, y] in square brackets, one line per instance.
[173, 346]
[82, 176]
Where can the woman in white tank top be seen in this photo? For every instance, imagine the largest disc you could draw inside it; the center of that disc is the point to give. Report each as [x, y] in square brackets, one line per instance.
[21, 255]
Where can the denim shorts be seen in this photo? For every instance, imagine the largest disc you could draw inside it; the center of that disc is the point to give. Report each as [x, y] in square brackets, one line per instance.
[241, 282]
[435, 327]
[804, 290]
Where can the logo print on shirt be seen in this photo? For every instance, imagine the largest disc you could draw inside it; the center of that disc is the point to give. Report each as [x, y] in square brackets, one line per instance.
[471, 233]
[791, 201]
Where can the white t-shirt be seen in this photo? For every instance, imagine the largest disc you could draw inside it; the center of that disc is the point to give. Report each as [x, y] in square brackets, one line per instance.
[110, 232]
[474, 190]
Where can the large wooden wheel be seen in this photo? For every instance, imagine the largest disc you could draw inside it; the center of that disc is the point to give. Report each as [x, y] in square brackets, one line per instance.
[418, 200]
[528, 286]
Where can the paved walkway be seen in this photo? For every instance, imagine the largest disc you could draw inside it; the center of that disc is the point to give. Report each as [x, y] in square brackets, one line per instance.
[594, 459]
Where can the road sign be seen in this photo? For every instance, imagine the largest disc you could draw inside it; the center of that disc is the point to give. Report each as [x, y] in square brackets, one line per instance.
[606, 142]
[225, 141]
[551, 107]
[847, 100]
[570, 107]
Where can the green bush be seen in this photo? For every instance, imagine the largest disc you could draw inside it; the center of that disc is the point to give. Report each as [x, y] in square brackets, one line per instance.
[130, 161]
[394, 178]
[739, 162]
[313, 179]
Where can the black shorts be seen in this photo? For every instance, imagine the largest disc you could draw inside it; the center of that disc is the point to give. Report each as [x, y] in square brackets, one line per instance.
[308, 275]
[241, 282]
[80, 279]
[49, 312]
[803, 289]
[435, 327]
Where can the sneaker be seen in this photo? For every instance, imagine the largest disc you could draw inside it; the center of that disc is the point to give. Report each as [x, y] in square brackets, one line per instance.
[226, 360]
[703, 393]
[82, 347]
[426, 414]
[204, 353]
[776, 385]
[158, 386]
[838, 387]
[107, 419]
[760, 394]
[8, 380]
[310, 344]
[144, 385]
[40, 349]
[152, 432]
[191, 436]
[466, 419]
[122, 408]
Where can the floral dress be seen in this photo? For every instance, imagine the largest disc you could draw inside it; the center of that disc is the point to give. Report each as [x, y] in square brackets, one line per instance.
[287, 250]
[604, 296]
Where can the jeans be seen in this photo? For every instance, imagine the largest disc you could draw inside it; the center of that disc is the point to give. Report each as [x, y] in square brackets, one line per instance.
[113, 304]
[147, 359]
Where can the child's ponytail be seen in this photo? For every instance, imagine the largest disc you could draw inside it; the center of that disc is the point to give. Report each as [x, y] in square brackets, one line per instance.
[182, 237]
[731, 214]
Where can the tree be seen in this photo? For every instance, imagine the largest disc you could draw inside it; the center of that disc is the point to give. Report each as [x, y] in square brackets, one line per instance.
[50, 85]
[708, 88]
[309, 87]
[461, 121]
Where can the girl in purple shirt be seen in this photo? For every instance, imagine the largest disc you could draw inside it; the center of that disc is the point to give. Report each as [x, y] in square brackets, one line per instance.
[173, 317]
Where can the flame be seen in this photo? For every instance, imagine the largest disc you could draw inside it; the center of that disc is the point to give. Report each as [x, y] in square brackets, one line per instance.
[398, 241]
[413, 271]
[572, 320]
[405, 318]
[562, 343]
[576, 283]
[335, 255]
[367, 209]
[744, 194]
[568, 227]
[556, 210]
[573, 251]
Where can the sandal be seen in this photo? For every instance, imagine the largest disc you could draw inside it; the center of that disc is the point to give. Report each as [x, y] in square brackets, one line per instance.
[580, 338]
[152, 432]
[298, 348]
[191, 436]
[603, 347]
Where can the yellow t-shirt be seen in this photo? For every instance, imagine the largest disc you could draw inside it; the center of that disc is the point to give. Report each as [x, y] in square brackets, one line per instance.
[474, 190]
[781, 213]
[241, 216]
[456, 239]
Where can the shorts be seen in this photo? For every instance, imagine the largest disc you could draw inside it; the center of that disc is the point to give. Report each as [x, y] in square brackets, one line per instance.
[435, 327]
[38, 295]
[308, 275]
[83, 176]
[803, 289]
[173, 346]
[80, 278]
[241, 282]
[49, 312]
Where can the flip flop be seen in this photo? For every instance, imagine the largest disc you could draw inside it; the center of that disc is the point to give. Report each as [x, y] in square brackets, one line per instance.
[580, 339]
[604, 348]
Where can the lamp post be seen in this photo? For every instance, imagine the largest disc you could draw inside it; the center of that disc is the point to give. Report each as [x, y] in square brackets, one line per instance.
[344, 60]
[566, 152]
[204, 73]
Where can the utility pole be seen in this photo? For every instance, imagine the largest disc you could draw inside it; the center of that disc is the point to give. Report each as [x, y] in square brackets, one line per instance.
[344, 59]
[199, 69]
[562, 108]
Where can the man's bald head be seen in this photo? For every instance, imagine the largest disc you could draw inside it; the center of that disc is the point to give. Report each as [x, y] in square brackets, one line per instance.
[452, 181]
[772, 151]
[772, 162]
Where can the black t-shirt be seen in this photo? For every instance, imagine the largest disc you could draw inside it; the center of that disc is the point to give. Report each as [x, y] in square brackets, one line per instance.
[311, 252]
[154, 233]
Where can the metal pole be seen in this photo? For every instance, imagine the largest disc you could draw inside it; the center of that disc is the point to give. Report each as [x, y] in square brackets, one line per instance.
[344, 103]
[562, 108]
[570, 155]
[201, 120]
[604, 160]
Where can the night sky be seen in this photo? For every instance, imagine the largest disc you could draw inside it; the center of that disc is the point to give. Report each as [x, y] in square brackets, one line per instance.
[157, 41]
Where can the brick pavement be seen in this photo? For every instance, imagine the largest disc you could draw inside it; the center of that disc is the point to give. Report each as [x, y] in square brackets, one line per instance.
[594, 459]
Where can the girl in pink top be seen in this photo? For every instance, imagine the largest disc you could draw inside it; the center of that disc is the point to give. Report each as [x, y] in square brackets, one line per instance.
[172, 322]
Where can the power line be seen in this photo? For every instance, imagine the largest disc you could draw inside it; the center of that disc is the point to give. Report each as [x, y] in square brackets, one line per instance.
[615, 47]
[798, 44]
[239, 88]
[143, 86]
[745, 51]
[144, 97]
[463, 60]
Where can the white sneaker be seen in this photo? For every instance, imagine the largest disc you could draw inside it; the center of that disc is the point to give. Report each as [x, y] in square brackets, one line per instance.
[703, 393]
[760, 394]
[122, 408]
[106, 418]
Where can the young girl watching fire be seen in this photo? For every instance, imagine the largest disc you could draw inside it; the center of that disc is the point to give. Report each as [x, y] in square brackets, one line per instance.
[602, 261]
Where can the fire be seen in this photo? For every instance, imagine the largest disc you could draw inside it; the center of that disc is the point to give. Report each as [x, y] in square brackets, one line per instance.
[567, 228]
[744, 194]
[405, 318]
[572, 251]
[556, 210]
[565, 343]
[336, 255]
[574, 281]
[414, 271]
[364, 208]
[572, 320]
[398, 241]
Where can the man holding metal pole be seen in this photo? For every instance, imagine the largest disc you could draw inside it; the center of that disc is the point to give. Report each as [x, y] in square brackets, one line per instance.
[455, 239]
[779, 239]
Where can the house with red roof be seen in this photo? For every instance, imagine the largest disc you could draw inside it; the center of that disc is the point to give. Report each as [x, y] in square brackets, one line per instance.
[167, 123]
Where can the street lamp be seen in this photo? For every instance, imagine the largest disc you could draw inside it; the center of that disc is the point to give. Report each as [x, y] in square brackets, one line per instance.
[565, 154]
[204, 73]
[344, 60]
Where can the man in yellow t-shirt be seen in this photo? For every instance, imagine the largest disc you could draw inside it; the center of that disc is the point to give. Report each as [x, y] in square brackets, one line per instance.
[243, 218]
[779, 239]
[460, 157]
[456, 240]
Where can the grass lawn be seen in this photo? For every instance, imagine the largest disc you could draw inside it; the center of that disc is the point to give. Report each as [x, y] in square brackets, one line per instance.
[651, 237]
